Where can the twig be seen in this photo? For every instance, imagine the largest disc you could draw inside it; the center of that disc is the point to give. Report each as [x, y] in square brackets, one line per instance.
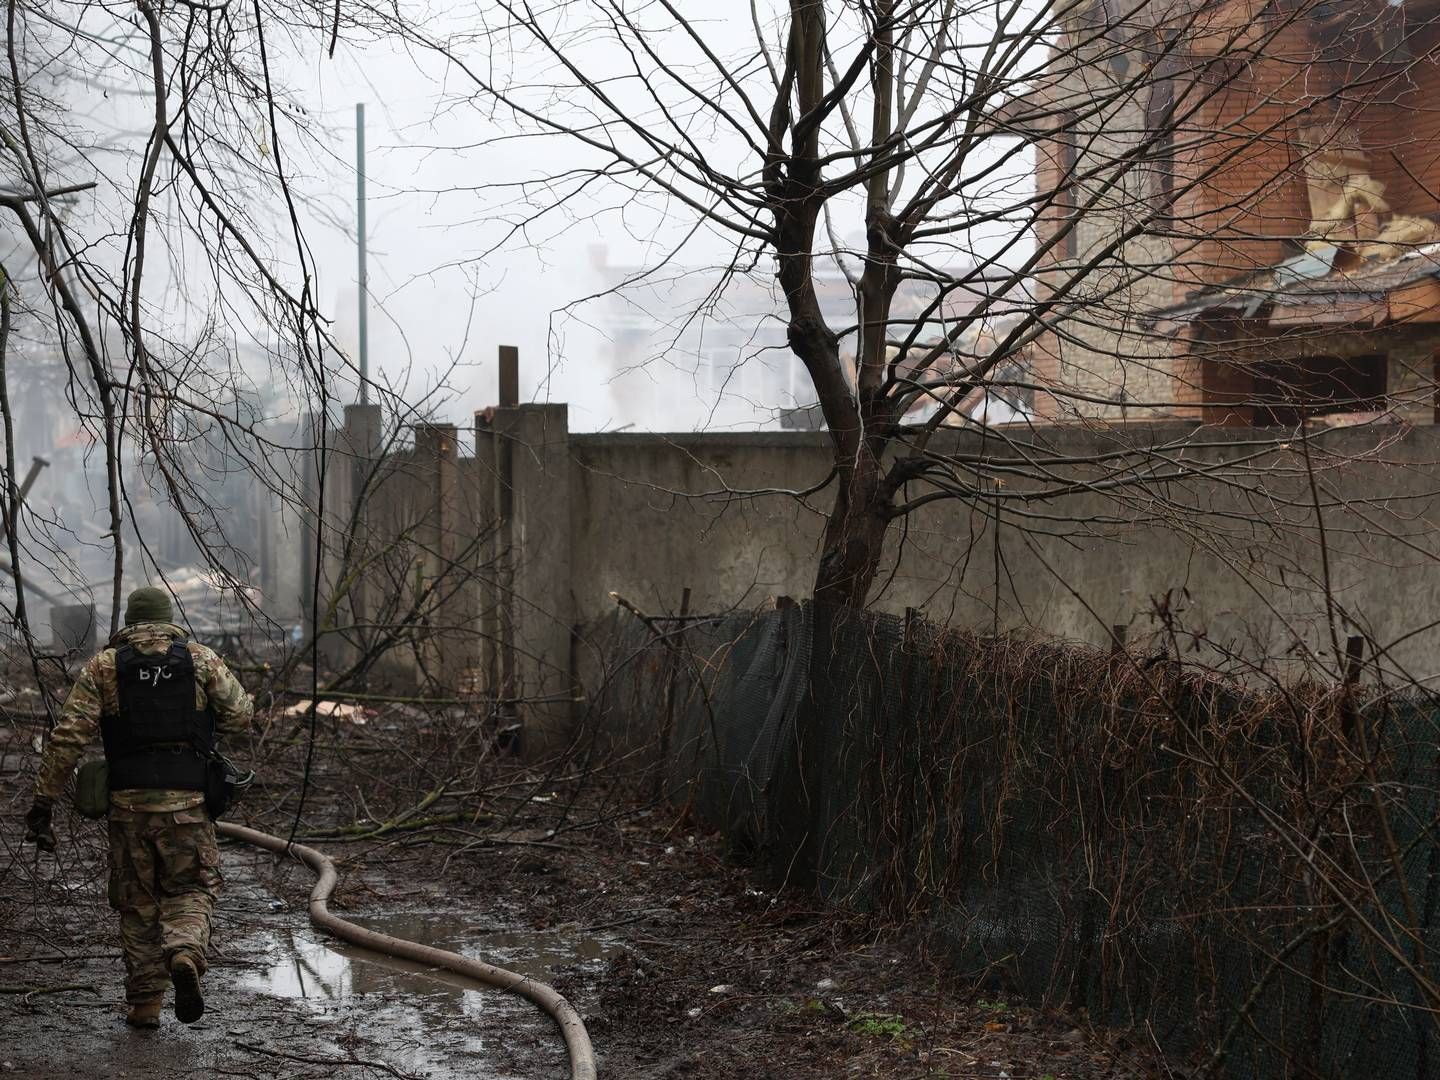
[308, 1060]
[398, 699]
[31, 991]
[352, 833]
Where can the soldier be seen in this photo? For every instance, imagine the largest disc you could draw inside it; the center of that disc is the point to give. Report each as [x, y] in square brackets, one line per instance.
[159, 701]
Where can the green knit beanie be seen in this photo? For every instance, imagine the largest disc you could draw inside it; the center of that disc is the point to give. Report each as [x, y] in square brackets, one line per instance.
[148, 605]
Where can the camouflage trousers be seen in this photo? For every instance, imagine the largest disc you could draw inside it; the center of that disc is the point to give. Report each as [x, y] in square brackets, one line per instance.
[164, 878]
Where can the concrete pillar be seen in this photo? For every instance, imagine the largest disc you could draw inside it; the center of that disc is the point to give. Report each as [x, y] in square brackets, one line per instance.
[362, 449]
[538, 613]
[488, 528]
[310, 500]
[437, 459]
[276, 518]
[362, 444]
[504, 428]
[262, 512]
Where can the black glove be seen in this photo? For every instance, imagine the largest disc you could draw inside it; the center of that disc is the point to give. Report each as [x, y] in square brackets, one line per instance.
[37, 827]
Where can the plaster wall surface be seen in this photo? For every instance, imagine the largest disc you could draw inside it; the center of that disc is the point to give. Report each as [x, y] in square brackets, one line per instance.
[1229, 570]
[654, 514]
[1223, 561]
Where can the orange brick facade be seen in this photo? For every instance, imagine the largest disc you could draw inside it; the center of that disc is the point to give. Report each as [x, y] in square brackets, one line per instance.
[1267, 108]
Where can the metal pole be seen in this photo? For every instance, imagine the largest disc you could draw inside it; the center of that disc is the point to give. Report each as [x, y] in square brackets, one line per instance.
[360, 236]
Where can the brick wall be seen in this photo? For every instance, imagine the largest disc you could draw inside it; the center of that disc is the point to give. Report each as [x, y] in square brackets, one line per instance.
[1240, 184]
[1104, 360]
[1241, 193]
[1401, 129]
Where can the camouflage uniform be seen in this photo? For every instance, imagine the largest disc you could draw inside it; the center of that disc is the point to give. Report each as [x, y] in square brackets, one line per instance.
[164, 862]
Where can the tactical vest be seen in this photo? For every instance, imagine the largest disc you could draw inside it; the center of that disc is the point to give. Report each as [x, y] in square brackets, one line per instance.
[158, 738]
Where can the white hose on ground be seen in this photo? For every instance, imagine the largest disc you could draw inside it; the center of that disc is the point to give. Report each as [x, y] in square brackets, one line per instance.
[577, 1040]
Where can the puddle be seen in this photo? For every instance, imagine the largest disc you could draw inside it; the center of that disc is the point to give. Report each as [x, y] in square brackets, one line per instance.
[433, 1020]
[304, 965]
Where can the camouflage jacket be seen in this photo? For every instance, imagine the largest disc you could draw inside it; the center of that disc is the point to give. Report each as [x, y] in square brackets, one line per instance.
[95, 694]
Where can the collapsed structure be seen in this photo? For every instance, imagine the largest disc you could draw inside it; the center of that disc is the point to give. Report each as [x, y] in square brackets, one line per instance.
[1238, 212]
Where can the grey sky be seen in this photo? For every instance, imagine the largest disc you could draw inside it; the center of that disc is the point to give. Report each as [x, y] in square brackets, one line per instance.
[434, 299]
[432, 305]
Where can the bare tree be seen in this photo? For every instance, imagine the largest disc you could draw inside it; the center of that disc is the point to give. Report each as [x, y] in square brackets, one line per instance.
[154, 258]
[130, 252]
[920, 130]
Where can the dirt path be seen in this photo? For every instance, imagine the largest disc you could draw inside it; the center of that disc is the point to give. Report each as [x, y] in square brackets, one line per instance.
[280, 1002]
[682, 964]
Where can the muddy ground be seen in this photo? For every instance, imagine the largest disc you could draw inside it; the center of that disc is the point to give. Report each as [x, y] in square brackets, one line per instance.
[682, 963]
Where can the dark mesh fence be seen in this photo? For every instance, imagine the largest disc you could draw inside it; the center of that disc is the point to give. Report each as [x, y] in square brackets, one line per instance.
[1252, 876]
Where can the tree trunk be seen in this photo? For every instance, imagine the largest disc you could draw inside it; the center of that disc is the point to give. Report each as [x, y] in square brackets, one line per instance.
[855, 533]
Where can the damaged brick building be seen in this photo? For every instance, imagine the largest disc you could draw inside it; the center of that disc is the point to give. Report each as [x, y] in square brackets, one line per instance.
[1239, 206]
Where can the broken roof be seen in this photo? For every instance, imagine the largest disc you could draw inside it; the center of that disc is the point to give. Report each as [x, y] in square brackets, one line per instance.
[1307, 288]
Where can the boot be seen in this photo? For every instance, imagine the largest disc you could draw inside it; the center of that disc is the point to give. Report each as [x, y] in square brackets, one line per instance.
[185, 977]
[144, 1014]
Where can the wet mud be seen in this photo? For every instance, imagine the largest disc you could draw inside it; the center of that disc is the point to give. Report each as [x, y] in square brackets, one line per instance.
[682, 963]
[283, 1000]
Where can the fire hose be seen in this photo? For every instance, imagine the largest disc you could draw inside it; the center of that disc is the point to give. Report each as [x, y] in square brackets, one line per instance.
[572, 1028]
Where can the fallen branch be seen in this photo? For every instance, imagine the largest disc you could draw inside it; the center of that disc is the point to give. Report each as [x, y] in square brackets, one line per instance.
[396, 699]
[356, 832]
[309, 1060]
[485, 841]
[32, 991]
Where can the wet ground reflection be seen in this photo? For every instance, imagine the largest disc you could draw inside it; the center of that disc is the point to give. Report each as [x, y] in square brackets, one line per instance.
[431, 1019]
[305, 965]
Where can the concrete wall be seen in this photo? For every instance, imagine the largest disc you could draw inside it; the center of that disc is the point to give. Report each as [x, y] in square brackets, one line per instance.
[654, 514]
[1220, 559]
[1230, 567]
[1253, 132]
